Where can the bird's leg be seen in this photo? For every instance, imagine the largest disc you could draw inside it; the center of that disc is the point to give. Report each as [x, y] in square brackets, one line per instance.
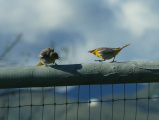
[113, 60]
[46, 65]
[99, 60]
[54, 63]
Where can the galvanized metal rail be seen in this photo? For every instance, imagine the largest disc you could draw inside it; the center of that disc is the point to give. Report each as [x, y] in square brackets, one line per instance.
[79, 74]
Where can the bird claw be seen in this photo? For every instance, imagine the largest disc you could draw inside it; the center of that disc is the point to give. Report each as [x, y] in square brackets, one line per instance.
[99, 60]
[46, 65]
[112, 61]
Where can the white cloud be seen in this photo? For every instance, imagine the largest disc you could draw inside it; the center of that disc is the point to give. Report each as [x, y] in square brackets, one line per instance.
[53, 13]
[33, 17]
[112, 2]
[136, 16]
[89, 24]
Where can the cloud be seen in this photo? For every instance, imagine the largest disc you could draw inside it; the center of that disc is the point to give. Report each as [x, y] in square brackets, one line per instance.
[89, 24]
[136, 16]
[33, 17]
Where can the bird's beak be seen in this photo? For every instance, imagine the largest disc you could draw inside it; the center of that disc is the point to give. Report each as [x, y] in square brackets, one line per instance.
[59, 58]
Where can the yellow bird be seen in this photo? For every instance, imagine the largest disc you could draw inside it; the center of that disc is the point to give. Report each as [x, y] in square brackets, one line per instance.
[47, 56]
[106, 53]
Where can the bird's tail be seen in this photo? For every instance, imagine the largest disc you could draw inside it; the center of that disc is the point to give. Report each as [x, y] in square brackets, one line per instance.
[124, 46]
[39, 64]
[119, 49]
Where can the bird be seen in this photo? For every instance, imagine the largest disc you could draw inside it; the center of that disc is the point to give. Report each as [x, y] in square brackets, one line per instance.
[106, 53]
[47, 56]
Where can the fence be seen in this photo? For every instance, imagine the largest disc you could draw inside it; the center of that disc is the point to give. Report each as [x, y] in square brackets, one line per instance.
[29, 93]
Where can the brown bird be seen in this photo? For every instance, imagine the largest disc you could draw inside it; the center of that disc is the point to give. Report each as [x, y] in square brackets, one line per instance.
[47, 56]
[106, 53]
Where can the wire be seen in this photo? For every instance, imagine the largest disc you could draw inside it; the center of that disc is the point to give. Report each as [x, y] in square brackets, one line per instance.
[78, 101]
[89, 102]
[136, 102]
[112, 101]
[43, 96]
[54, 104]
[19, 104]
[31, 99]
[101, 101]
[148, 104]
[66, 103]
[8, 104]
[124, 103]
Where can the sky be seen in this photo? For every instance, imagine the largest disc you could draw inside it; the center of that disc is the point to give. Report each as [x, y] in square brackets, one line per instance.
[74, 27]
[80, 26]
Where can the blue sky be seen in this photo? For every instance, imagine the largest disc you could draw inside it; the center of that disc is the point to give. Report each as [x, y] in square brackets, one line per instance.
[81, 26]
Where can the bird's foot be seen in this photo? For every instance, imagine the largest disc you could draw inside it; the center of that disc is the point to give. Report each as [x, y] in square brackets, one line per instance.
[46, 65]
[99, 60]
[112, 61]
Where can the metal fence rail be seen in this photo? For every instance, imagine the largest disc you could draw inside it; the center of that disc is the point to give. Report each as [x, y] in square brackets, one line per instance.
[80, 74]
[25, 93]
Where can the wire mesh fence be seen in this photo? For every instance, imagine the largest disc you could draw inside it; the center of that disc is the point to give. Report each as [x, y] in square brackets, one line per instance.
[102, 91]
[83, 102]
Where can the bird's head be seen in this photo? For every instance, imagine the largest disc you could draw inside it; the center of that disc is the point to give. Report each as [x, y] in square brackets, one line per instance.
[54, 55]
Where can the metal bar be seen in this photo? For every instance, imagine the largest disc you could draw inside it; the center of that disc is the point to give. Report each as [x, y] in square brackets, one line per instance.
[79, 74]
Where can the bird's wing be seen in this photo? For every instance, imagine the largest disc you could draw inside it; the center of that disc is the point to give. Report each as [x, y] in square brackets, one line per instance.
[46, 52]
[105, 50]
